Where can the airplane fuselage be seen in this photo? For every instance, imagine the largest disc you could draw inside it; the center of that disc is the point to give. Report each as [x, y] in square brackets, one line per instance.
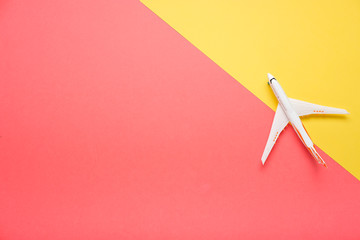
[290, 113]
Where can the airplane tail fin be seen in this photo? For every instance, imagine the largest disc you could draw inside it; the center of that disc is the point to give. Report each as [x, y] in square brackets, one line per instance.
[317, 157]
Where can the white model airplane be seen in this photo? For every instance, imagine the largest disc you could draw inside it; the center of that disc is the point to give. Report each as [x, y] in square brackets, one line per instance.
[289, 110]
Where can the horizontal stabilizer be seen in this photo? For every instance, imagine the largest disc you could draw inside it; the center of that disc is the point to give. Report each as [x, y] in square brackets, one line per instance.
[317, 157]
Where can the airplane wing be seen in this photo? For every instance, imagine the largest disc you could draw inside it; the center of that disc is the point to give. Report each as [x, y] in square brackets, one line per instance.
[304, 108]
[279, 123]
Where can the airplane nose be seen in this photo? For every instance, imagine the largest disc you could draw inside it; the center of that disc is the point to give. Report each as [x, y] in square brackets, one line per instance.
[270, 77]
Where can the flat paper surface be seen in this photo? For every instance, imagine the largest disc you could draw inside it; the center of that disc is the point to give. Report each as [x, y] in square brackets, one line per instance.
[311, 47]
[113, 126]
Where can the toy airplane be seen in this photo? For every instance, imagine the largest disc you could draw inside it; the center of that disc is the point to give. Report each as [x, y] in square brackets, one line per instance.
[289, 110]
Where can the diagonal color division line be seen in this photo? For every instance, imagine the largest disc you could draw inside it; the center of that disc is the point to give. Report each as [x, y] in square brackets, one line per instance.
[113, 126]
[312, 49]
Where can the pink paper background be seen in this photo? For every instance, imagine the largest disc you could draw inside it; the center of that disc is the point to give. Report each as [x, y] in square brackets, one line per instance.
[113, 126]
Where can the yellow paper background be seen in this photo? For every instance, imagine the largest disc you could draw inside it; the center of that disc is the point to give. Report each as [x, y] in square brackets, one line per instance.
[311, 47]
